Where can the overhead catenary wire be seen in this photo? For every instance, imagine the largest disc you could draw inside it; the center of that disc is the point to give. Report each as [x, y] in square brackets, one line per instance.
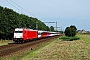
[14, 6]
[19, 7]
[22, 8]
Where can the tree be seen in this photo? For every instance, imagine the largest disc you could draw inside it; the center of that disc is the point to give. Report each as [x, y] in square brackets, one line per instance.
[73, 27]
[73, 30]
[9, 20]
[51, 28]
[47, 28]
[67, 31]
[70, 31]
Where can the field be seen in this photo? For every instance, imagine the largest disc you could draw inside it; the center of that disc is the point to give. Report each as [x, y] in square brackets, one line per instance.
[60, 50]
[63, 50]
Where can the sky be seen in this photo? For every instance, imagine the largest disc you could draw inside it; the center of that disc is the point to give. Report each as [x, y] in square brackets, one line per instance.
[64, 12]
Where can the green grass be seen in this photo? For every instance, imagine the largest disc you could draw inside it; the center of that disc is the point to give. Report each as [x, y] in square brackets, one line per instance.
[66, 38]
[85, 38]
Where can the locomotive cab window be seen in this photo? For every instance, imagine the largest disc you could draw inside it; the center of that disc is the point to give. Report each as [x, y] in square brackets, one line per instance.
[18, 31]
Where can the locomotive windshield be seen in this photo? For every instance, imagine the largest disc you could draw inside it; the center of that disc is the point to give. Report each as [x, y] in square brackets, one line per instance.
[18, 31]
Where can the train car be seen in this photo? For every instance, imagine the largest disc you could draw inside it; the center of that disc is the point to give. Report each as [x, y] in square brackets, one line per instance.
[43, 34]
[23, 34]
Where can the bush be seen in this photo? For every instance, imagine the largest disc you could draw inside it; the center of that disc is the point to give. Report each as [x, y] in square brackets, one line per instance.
[66, 38]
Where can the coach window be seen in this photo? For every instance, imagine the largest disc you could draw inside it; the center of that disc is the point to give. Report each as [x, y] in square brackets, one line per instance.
[20, 31]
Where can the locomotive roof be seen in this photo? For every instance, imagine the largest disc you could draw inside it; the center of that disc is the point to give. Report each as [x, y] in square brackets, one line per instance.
[24, 28]
[18, 29]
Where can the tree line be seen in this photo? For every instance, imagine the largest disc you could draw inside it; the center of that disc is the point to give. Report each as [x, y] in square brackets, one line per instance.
[9, 20]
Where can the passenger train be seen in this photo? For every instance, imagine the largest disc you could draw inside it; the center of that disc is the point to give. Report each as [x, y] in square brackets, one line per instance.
[24, 34]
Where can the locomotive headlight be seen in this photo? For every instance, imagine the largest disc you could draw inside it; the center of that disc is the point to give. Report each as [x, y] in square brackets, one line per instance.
[14, 36]
[20, 36]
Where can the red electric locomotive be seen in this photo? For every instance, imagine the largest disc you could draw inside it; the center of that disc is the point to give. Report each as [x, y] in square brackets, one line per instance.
[23, 34]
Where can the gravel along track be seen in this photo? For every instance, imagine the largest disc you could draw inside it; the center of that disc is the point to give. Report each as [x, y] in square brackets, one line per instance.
[12, 48]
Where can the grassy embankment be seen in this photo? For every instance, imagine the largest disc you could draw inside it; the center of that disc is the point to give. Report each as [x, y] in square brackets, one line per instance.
[61, 50]
[5, 42]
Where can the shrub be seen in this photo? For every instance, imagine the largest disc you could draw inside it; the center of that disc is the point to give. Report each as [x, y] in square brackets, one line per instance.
[66, 38]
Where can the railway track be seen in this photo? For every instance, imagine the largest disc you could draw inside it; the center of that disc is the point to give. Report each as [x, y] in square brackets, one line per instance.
[12, 48]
